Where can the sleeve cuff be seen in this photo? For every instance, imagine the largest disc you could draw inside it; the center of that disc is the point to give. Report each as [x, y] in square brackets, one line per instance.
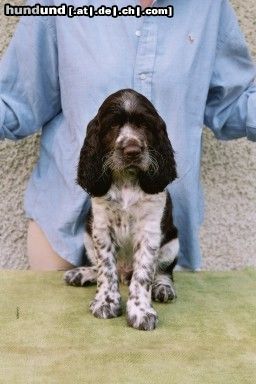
[2, 117]
[251, 116]
[251, 133]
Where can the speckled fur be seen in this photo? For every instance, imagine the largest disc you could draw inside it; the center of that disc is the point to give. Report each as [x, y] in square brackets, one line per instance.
[131, 212]
[128, 217]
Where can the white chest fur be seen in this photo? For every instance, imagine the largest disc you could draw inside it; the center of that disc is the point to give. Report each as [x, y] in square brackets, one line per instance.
[126, 209]
[125, 198]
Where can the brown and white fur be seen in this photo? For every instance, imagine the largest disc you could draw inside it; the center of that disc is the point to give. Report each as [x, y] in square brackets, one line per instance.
[125, 164]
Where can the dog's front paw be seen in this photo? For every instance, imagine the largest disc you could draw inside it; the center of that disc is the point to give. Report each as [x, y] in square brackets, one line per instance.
[81, 276]
[107, 308]
[163, 292]
[139, 317]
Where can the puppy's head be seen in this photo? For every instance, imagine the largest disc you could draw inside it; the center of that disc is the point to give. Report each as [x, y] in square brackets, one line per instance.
[127, 134]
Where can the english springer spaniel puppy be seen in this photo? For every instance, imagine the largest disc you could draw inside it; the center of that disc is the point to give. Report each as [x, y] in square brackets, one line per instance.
[125, 164]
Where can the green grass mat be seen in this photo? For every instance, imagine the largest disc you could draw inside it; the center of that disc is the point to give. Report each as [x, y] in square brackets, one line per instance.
[48, 335]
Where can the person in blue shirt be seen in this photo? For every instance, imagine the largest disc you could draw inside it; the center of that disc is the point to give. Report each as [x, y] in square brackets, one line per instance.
[194, 67]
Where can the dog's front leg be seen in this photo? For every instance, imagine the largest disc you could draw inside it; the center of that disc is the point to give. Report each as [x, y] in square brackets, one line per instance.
[140, 313]
[107, 302]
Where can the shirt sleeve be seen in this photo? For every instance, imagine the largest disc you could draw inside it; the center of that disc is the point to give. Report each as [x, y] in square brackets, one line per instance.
[231, 103]
[29, 82]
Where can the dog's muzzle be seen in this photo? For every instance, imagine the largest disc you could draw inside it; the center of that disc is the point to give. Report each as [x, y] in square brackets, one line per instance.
[131, 151]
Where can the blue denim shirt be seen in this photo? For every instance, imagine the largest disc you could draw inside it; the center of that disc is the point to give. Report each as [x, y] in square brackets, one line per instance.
[195, 68]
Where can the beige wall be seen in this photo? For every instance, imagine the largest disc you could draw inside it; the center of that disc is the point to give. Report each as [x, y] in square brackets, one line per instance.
[228, 173]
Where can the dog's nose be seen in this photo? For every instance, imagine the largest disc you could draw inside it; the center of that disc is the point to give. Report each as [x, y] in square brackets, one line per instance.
[132, 148]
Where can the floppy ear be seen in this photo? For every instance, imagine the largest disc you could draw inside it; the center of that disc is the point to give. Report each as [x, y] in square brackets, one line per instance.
[90, 175]
[155, 180]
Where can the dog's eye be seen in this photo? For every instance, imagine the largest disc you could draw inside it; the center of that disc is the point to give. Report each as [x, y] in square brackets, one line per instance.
[110, 130]
[109, 135]
[112, 120]
[147, 122]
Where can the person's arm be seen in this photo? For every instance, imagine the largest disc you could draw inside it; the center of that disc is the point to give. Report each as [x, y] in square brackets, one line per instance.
[231, 103]
[29, 82]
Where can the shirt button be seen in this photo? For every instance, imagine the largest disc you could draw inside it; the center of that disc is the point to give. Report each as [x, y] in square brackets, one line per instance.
[138, 33]
[142, 76]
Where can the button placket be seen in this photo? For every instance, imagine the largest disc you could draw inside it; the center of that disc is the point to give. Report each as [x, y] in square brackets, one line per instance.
[145, 57]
